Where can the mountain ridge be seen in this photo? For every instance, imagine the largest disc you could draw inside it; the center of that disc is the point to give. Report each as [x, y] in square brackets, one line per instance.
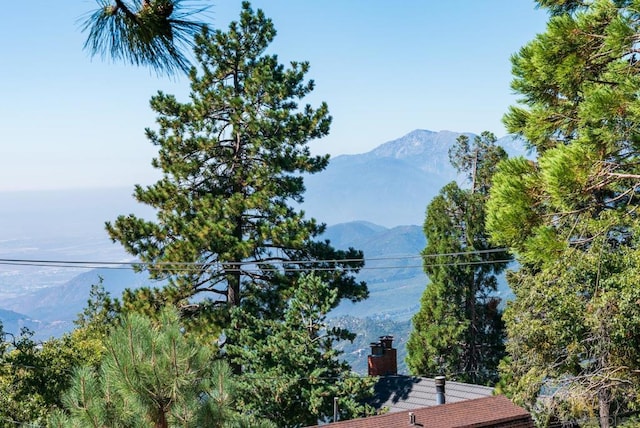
[389, 269]
[391, 184]
[372, 201]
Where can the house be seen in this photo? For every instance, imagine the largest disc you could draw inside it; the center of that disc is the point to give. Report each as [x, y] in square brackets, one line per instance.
[495, 411]
[395, 393]
[409, 401]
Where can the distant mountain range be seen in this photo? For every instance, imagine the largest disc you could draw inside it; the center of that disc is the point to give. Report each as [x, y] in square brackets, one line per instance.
[373, 201]
[390, 185]
[393, 272]
[51, 311]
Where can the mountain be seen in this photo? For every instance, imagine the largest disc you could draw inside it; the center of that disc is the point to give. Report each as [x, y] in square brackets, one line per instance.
[52, 310]
[392, 272]
[390, 185]
[372, 201]
[13, 322]
[393, 268]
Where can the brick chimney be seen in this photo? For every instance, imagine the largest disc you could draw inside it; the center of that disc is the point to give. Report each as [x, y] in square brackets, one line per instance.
[383, 358]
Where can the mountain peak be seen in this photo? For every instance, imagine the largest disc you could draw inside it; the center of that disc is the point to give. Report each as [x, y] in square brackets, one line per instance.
[424, 149]
[419, 145]
[389, 185]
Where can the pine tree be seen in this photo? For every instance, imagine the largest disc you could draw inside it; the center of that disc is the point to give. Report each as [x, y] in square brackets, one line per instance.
[153, 33]
[291, 369]
[458, 330]
[152, 374]
[232, 160]
[571, 216]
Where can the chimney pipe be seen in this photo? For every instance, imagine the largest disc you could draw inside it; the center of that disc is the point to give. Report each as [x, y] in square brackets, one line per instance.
[386, 341]
[440, 382]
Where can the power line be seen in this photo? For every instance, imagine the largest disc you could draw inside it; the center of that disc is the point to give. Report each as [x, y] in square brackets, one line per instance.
[87, 265]
[257, 266]
[259, 376]
[257, 262]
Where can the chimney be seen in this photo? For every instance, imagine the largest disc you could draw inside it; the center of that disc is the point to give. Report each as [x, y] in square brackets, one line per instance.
[440, 381]
[383, 358]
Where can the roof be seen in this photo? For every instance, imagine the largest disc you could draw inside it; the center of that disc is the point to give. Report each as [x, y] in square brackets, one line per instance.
[495, 411]
[398, 393]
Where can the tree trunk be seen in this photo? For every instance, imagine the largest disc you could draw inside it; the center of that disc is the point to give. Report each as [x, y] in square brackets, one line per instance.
[233, 277]
[162, 420]
[472, 358]
[603, 403]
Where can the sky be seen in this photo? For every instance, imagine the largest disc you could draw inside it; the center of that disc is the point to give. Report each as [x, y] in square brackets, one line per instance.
[70, 121]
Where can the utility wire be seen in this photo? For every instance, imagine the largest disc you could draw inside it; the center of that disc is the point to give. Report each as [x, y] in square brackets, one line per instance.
[236, 266]
[64, 265]
[199, 267]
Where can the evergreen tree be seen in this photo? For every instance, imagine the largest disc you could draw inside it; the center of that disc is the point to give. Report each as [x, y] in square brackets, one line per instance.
[152, 374]
[98, 316]
[143, 32]
[233, 159]
[571, 216]
[458, 330]
[291, 370]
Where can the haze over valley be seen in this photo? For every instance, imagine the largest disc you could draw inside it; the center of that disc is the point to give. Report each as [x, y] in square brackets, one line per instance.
[373, 201]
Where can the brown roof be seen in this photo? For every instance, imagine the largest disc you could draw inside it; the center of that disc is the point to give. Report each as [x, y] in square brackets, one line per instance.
[496, 411]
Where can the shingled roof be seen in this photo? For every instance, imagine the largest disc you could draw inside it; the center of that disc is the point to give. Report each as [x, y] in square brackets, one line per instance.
[495, 411]
[398, 393]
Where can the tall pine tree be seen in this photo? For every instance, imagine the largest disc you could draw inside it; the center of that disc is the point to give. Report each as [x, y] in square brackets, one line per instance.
[571, 216]
[233, 158]
[458, 329]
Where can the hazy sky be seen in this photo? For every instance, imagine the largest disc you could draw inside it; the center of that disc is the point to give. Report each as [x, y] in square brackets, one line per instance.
[385, 68]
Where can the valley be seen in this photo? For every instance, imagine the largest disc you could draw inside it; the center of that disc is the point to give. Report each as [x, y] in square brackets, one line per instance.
[374, 202]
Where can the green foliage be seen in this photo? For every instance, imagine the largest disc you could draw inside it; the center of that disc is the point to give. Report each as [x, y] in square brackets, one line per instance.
[571, 216]
[151, 375]
[478, 160]
[100, 314]
[573, 333]
[558, 7]
[33, 375]
[232, 160]
[514, 193]
[226, 237]
[458, 329]
[291, 370]
[152, 33]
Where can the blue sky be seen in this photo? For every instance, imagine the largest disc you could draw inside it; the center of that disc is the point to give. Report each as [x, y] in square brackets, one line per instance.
[385, 68]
